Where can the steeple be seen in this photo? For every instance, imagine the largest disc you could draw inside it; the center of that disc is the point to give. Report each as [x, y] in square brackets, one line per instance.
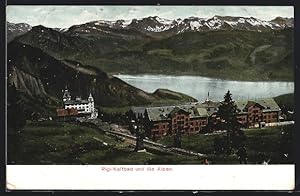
[67, 95]
[91, 99]
[207, 99]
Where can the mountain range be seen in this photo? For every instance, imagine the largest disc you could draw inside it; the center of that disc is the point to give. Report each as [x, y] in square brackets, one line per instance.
[14, 30]
[41, 60]
[156, 26]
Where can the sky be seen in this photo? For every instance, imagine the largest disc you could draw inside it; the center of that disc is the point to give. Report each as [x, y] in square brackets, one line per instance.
[66, 16]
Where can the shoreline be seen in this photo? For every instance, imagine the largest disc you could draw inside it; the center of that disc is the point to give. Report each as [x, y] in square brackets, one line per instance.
[115, 74]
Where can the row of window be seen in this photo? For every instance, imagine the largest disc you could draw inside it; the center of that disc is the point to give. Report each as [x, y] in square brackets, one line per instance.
[78, 108]
[180, 119]
[269, 116]
[163, 132]
[257, 117]
[194, 124]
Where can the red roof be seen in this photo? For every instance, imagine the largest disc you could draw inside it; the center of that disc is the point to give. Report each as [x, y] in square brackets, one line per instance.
[66, 112]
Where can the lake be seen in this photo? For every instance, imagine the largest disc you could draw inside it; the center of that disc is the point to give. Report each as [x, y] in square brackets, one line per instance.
[198, 87]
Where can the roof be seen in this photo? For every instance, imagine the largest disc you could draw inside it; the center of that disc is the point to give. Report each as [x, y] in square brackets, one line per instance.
[75, 102]
[138, 110]
[268, 104]
[177, 109]
[241, 104]
[163, 113]
[202, 112]
[159, 113]
[211, 104]
[66, 112]
[196, 111]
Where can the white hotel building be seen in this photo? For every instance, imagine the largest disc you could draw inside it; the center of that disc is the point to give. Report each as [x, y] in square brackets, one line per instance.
[84, 107]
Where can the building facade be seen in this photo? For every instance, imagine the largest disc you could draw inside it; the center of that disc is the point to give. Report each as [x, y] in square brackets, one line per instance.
[252, 113]
[193, 118]
[84, 108]
[161, 121]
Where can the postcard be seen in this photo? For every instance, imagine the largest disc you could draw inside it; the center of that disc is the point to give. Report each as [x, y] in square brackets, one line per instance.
[134, 97]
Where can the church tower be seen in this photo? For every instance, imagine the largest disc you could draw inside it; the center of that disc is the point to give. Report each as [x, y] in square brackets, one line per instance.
[91, 103]
[207, 100]
[66, 96]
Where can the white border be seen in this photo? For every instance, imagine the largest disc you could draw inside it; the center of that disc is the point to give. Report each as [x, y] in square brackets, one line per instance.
[181, 177]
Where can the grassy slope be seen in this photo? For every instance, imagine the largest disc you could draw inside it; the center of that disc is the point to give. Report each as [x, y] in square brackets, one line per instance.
[287, 100]
[52, 142]
[261, 145]
[62, 143]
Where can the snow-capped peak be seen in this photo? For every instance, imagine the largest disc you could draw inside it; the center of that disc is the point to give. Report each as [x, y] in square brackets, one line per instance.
[157, 24]
[164, 21]
[118, 23]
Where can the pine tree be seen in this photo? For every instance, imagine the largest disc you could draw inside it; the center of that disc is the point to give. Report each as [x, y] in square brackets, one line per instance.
[228, 121]
[140, 135]
[148, 126]
[130, 116]
[228, 113]
[177, 138]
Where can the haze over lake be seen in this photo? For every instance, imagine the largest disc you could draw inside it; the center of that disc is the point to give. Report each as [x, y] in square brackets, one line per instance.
[198, 87]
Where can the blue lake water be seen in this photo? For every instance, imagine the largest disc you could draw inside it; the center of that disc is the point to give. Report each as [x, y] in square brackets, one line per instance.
[198, 87]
